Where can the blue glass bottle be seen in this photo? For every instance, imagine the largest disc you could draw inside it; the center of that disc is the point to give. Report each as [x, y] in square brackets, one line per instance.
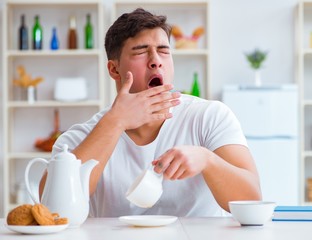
[54, 40]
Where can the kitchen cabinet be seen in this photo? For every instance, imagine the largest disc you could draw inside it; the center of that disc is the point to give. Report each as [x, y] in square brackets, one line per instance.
[26, 121]
[271, 131]
[304, 74]
[187, 15]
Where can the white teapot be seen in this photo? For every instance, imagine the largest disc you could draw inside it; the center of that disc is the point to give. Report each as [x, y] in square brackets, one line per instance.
[66, 190]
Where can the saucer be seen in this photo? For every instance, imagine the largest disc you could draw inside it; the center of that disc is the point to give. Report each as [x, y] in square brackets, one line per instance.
[36, 229]
[148, 220]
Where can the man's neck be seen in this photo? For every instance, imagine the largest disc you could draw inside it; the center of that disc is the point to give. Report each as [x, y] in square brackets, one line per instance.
[145, 134]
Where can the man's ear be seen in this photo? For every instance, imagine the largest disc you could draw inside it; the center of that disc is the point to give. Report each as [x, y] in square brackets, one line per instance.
[112, 69]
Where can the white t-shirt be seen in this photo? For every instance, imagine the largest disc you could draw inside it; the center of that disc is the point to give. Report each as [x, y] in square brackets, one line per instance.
[195, 122]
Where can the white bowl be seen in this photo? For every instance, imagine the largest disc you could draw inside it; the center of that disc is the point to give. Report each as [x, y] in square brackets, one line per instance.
[252, 213]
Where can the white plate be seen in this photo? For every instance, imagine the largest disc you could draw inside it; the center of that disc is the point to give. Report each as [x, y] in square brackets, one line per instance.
[36, 229]
[148, 220]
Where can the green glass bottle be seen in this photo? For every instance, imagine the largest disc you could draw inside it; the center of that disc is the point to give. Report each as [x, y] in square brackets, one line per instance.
[88, 33]
[37, 34]
[195, 87]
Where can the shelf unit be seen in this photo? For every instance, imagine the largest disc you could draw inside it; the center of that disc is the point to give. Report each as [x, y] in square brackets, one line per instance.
[25, 122]
[304, 74]
[186, 61]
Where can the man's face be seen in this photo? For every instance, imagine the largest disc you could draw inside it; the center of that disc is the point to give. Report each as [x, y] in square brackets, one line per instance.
[148, 57]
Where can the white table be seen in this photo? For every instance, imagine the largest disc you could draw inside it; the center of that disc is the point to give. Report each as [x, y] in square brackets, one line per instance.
[183, 229]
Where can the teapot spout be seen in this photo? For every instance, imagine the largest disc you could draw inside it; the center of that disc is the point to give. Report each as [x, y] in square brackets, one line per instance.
[85, 171]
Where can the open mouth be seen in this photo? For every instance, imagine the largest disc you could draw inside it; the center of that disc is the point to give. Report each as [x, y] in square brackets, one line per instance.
[154, 82]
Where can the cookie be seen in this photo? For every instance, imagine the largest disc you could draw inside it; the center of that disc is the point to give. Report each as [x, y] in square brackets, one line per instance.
[42, 215]
[21, 215]
[34, 223]
[61, 221]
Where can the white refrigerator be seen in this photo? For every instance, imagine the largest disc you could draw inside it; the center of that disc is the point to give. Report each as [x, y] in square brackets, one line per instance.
[269, 119]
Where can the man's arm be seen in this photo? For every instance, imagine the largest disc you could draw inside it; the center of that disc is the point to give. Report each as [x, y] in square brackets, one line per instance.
[231, 174]
[229, 171]
[129, 111]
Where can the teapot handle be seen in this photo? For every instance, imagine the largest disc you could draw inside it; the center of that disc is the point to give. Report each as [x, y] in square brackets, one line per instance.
[33, 196]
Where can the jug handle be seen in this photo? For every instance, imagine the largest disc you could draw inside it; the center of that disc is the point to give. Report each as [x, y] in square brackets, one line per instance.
[32, 195]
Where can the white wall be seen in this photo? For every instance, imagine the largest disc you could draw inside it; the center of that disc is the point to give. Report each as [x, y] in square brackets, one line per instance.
[240, 26]
[237, 26]
[1, 122]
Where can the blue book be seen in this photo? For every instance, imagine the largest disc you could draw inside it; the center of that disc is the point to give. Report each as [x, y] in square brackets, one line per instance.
[292, 213]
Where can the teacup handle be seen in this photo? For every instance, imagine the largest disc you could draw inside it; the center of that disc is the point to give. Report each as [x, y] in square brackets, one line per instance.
[32, 195]
[159, 175]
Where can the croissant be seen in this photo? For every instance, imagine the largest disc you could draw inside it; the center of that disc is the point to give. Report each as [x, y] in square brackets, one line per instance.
[198, 32]
[176, 32]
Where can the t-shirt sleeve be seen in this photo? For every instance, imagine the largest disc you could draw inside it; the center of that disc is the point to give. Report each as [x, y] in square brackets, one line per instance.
[223, 127]
[75, 134]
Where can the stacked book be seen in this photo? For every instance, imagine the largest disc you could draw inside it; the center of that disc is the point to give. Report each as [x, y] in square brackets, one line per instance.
[292, 213]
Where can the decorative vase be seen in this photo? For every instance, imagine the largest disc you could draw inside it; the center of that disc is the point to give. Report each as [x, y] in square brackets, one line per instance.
[28, 94]
[258, 81]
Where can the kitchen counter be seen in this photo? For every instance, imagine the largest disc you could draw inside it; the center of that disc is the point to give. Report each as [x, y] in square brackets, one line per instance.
[182, 229]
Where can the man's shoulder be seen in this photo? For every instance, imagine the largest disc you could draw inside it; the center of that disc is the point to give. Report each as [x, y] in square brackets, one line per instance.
[192, 101]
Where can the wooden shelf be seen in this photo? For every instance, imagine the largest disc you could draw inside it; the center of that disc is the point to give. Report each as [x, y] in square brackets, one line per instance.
[307, 102]
[51, 64]
[25, 104]
[52, 2]
[307, 154]
[191, 52]
[28, 155]
[304, 23]
[56, 53]
[161, 2]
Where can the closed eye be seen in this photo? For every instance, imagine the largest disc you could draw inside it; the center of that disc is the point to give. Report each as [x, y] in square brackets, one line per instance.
[164, 49]
[139, 53]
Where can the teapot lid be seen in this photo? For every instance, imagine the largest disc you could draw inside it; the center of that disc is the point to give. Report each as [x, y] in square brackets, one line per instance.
[65, 155]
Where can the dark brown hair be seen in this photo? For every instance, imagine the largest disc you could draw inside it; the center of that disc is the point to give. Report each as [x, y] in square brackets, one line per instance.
[129, 25]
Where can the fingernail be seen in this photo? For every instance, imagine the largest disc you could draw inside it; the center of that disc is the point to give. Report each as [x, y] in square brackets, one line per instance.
[128, 75]
[160, 165]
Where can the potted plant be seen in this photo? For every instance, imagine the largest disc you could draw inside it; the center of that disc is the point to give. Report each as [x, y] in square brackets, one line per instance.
[255, 59]
[27, 84]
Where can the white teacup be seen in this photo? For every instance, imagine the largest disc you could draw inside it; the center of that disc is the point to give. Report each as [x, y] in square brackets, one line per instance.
[146, 189]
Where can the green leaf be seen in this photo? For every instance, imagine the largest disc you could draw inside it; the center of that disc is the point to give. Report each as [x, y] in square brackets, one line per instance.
[256, 58]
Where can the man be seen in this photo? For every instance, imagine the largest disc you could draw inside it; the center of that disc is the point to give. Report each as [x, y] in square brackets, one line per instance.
[197, 144]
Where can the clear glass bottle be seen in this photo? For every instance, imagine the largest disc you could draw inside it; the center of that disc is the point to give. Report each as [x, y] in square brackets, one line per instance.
[195, 87]
[72, 34]
[23, 35]
[37, 34]
[54, 40]
[88, 33]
